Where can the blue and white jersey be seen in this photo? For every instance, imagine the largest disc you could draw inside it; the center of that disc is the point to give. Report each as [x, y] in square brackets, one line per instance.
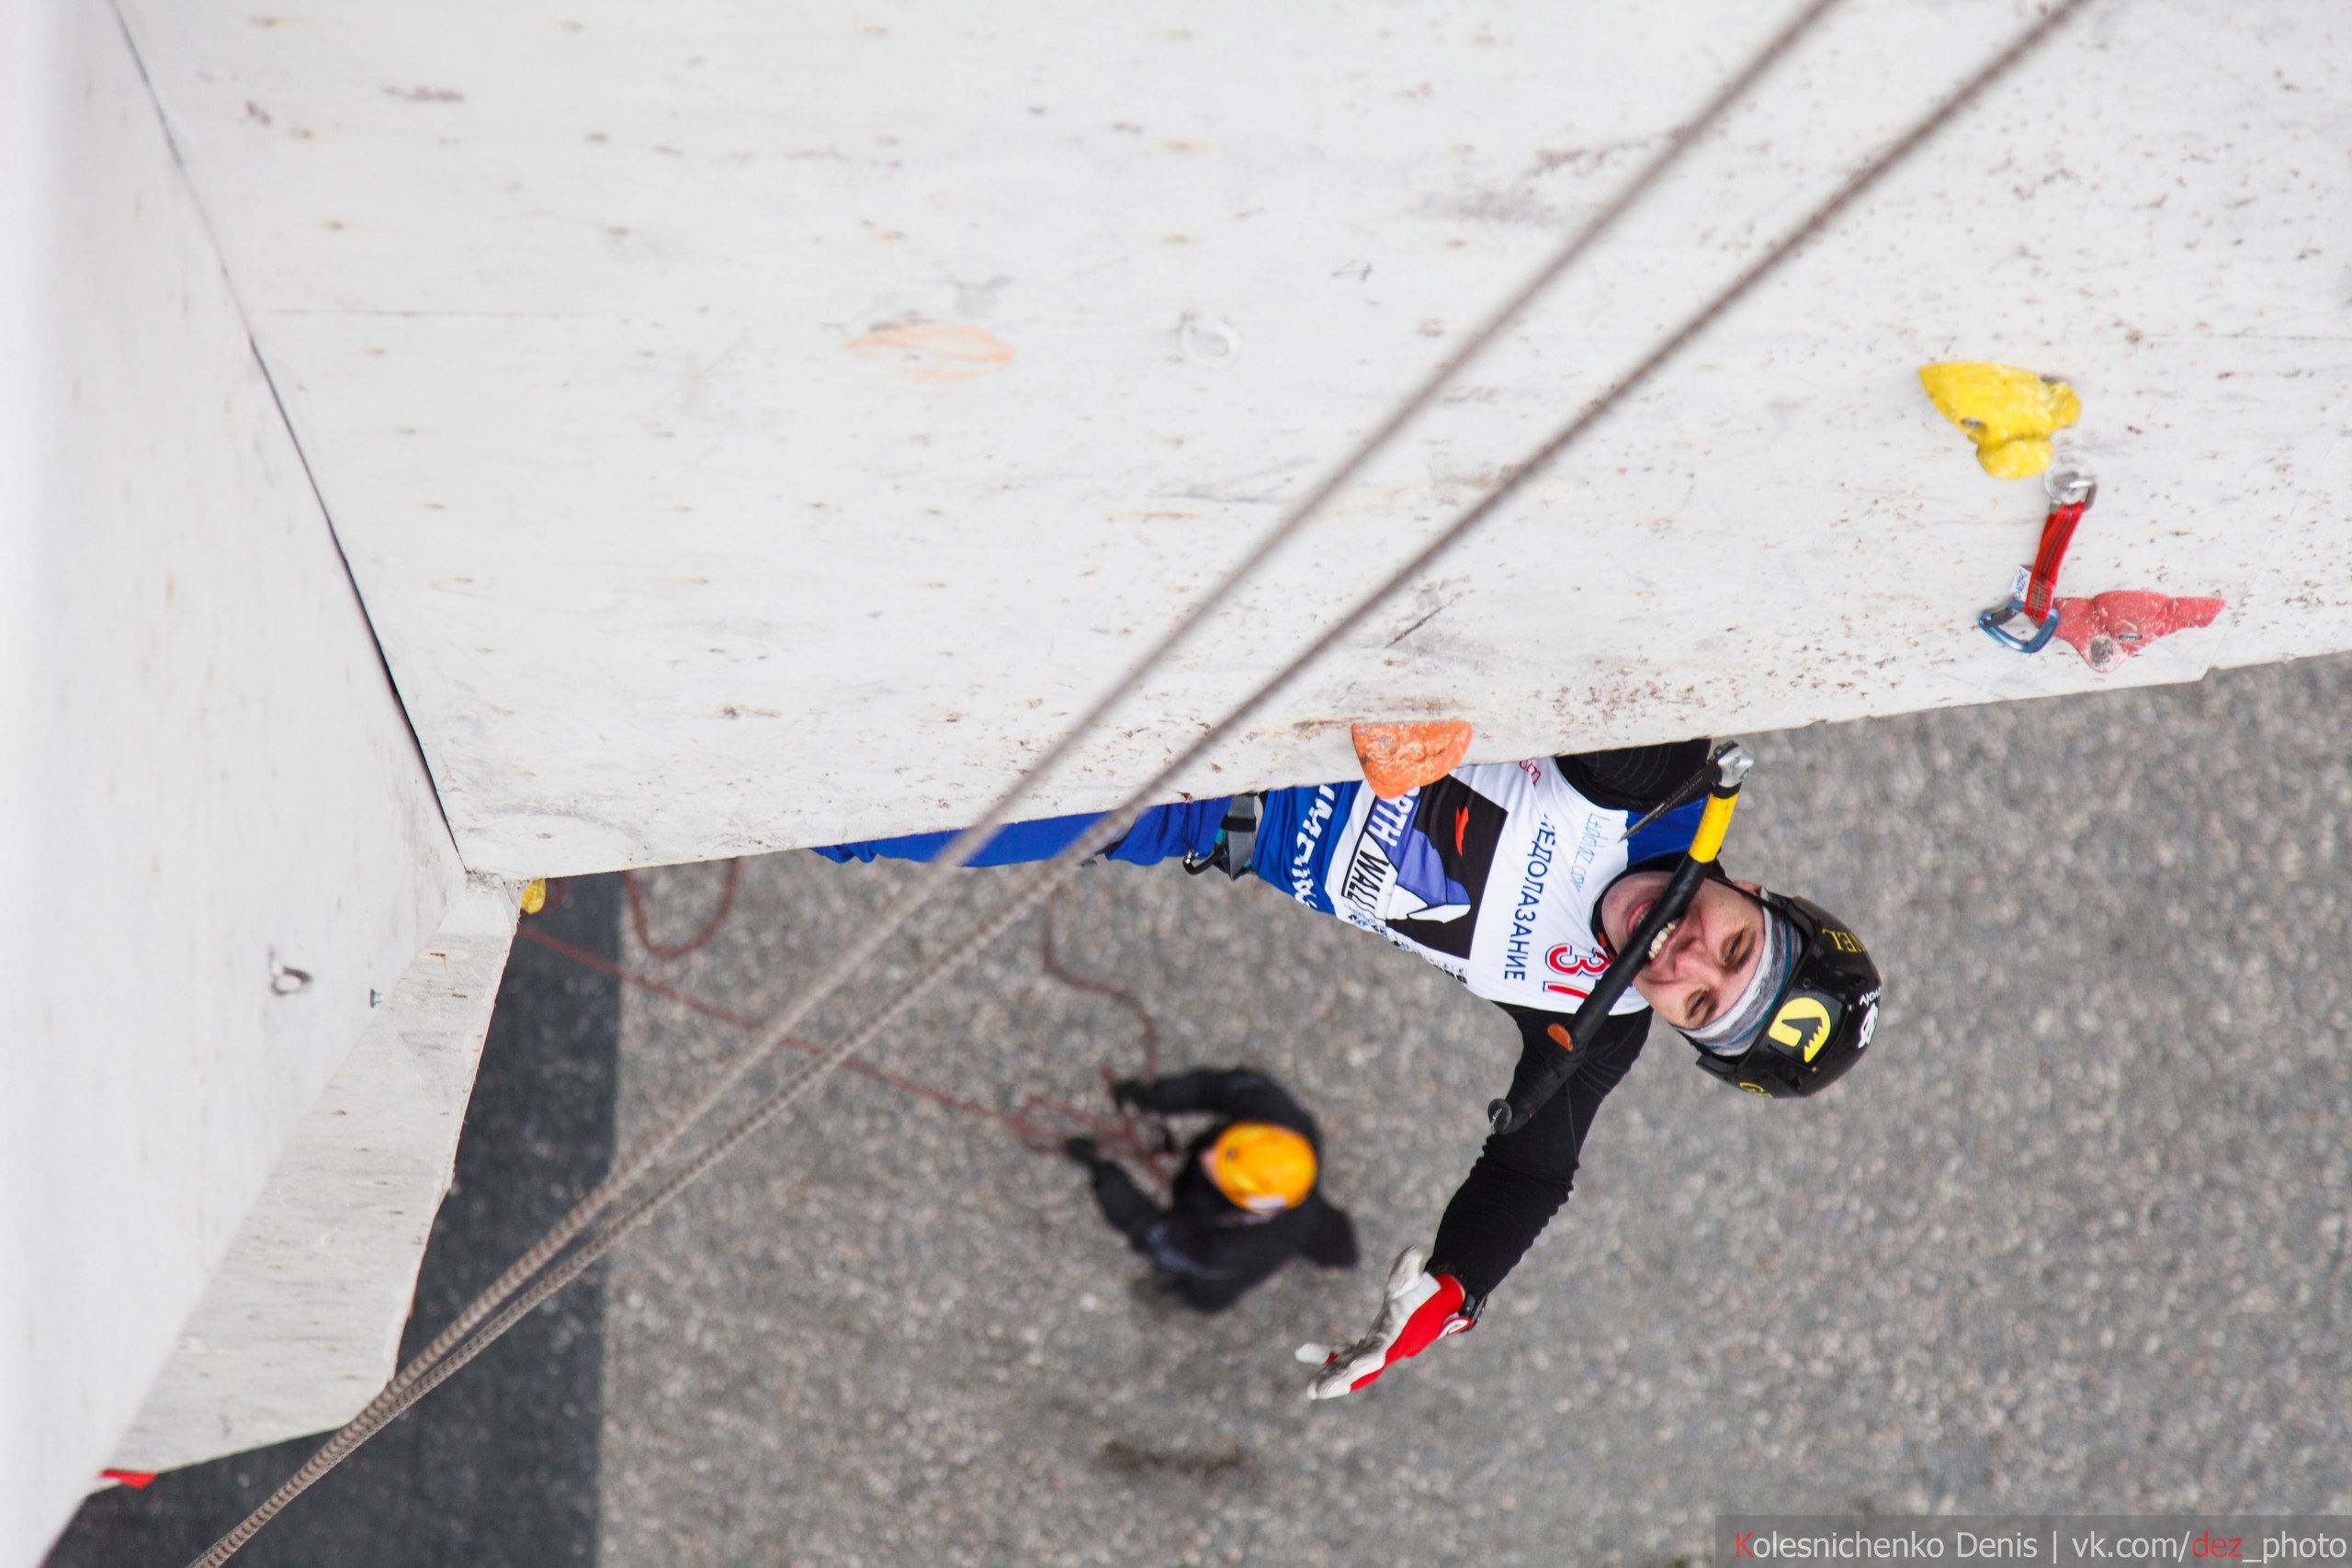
[1491, 872]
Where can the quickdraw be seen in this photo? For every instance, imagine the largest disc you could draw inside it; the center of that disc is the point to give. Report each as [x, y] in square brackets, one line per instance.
[2025, 621]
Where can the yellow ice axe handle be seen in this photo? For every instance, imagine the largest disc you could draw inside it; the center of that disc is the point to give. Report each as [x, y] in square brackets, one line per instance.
[1714, 823]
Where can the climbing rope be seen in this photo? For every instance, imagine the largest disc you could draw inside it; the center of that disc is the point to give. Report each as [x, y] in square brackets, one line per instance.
[458, 1343]
[693, 944]
[1040, 1121]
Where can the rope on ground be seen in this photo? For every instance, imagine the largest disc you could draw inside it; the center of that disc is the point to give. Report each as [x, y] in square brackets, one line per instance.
[693, 944]
[1103, 989]
[421, 1375]
[1140, 1136]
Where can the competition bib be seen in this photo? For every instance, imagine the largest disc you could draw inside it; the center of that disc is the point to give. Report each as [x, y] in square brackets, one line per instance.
[1491, 872]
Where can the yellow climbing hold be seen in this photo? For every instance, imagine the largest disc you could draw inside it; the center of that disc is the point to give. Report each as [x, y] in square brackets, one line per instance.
[2008, 413]
[535, 896]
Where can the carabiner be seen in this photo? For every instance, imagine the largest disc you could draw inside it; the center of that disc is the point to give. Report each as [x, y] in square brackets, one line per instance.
[1992, 624]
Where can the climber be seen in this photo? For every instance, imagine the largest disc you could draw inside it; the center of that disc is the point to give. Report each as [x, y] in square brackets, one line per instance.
[1521, 880]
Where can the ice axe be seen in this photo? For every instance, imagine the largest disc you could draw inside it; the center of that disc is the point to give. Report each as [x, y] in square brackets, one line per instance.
[1729, 764]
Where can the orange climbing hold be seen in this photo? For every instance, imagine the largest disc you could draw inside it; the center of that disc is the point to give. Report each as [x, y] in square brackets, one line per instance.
[1399, 757]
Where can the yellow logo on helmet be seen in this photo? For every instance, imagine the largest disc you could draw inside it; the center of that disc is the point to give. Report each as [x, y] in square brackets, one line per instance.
[1802, 1021]
[1756, 1088]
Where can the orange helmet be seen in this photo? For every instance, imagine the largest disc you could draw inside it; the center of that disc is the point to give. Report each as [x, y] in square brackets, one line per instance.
[1263, 1168]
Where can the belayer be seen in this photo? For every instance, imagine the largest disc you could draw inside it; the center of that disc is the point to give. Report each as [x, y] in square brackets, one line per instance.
[1246, 1196]
[1521, 880]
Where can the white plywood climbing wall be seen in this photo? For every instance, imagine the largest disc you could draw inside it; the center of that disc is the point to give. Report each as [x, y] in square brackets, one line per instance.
[754, 425]
[751, 425]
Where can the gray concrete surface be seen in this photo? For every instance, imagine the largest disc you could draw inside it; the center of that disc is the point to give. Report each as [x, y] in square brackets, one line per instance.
[2075, 1237]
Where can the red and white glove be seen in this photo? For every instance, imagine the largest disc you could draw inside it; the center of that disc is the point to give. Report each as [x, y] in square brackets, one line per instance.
[1421, 1309]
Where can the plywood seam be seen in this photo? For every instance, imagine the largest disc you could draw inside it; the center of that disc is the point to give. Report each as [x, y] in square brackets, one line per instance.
[293, 436]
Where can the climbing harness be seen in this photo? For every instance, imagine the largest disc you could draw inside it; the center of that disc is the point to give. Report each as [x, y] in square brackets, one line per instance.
[1237, 842]
[1729, 764]
[553, 1262]
[2025, 621]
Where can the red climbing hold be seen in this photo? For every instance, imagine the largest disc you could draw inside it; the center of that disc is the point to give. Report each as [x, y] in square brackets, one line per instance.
[2107, 628]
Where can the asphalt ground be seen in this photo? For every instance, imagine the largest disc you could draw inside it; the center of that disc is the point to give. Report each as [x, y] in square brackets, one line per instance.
[2074, 1238]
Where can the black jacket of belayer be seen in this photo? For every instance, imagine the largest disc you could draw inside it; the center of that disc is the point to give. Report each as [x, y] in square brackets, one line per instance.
[1210, 1249]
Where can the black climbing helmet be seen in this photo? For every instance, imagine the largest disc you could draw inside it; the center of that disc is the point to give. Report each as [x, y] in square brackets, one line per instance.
[1823, 1019]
